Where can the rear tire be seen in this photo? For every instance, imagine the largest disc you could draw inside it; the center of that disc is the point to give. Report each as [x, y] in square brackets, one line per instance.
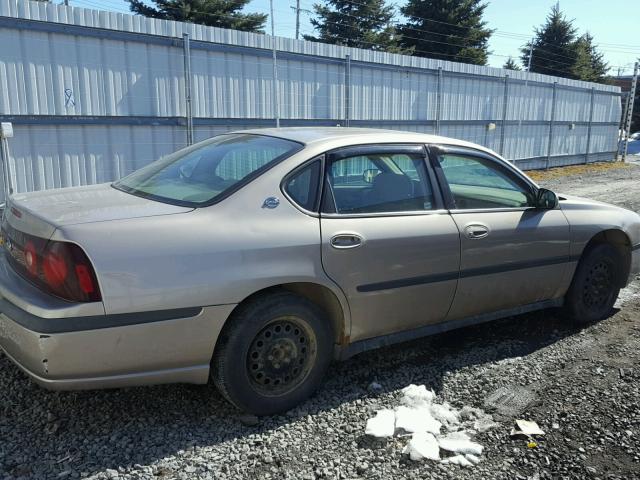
[595, 285]
[272, 354]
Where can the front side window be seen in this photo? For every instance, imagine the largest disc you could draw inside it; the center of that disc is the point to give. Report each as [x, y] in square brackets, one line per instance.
[200, 174]
[376, 183]
[477, 183]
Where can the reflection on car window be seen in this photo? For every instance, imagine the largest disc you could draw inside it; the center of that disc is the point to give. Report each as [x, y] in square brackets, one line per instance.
[380, 183]
[199, 174]
[478, 183]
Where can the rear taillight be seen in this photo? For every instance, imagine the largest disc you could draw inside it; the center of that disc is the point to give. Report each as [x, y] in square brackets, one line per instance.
[60, 268]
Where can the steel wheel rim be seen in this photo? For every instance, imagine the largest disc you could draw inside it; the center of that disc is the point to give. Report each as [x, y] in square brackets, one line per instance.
[281, 356]
[598, 285]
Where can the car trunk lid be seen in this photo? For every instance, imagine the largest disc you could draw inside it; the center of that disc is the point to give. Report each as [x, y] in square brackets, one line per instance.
[40, 213]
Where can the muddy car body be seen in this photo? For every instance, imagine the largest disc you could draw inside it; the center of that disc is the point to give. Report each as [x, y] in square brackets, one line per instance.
[254, 258]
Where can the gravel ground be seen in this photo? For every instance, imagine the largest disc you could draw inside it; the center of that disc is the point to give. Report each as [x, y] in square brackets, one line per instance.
[583, 386]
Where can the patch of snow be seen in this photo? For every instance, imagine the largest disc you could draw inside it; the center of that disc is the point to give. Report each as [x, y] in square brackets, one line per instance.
[472, 458]
[417, 395]
[445, 414]
[484, 423]
[382, 425]
[422, 445]
[423, 418]
[458, 460]
[459, 442]
[417, 420]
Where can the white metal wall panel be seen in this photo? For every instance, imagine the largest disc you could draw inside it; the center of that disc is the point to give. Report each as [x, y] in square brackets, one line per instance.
[130, 92]
[310, 90]
[50, 74]
[466, 98]
[51, 156]
[392, 94]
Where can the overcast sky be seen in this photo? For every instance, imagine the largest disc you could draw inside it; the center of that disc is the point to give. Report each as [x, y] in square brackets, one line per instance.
[613, 23]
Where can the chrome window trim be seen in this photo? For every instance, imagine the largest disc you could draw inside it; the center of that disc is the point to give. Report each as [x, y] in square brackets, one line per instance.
[491, 210]
[411, 213]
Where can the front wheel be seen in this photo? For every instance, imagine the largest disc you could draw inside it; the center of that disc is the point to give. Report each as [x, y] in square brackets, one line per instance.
[273, 353]
[595, 285]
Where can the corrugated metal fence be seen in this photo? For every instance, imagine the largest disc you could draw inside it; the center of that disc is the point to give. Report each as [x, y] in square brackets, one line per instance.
[94, 95]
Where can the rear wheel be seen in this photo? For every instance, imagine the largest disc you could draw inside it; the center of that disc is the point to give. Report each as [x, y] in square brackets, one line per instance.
[595, 285]
[273, 353]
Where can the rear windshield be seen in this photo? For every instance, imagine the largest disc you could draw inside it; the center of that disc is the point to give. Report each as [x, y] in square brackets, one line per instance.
[209, 171]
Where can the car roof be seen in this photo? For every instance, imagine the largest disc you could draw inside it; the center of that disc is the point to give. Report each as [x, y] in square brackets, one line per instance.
[345, 136]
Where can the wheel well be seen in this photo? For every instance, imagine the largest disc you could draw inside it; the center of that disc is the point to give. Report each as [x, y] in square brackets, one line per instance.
[320, 295]
[621, 242]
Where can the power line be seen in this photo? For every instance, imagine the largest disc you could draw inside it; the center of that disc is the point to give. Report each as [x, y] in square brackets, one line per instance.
[525, 36]
[537, 49]
[428, 52]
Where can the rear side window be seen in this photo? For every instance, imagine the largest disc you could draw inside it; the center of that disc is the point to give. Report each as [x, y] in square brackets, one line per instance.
[304, 185]
[377, 183]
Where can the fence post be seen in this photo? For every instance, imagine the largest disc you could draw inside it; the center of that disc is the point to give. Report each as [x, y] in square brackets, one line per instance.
[553, 116]
[347, 90]
[586, 153]
[276, 90]
[187, 86]
[632, 99]
[504, 113]
[439, 100]
[6, 131]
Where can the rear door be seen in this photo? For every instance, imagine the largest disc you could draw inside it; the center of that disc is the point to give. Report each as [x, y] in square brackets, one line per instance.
[512, 254]
[386, 239]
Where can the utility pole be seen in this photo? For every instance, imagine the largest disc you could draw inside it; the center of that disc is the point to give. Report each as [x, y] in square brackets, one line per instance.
[530, 55]
[297, 19]
[630, 102]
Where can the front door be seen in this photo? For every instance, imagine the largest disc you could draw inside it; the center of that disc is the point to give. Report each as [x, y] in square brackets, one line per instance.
[512, 254]
[386, 240]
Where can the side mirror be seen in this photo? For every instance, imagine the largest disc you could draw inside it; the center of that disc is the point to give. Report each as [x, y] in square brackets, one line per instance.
[546, 199]
[369, 174]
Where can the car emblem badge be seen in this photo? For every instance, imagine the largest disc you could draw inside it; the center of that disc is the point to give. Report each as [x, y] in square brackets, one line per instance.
[271, 202]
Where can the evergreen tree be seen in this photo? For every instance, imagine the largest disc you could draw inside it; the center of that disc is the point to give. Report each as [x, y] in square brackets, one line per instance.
[362, 24]
[589, 65]
[554, 46]
[446, 29]
[510, 64]
[215, 13]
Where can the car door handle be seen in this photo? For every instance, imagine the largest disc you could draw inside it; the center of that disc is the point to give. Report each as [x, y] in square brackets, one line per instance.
[476, 231]
[346, 240]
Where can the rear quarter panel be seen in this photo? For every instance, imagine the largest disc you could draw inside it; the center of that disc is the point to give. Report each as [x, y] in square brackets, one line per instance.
[210, 256]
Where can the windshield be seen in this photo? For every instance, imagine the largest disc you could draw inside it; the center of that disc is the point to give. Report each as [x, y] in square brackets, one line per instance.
[209, 171]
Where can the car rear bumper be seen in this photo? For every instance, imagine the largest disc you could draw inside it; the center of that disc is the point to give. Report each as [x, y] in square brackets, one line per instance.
[62, 350]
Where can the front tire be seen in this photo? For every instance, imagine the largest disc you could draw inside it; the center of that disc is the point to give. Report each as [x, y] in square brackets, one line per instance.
[272, 354]
[595, 286]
